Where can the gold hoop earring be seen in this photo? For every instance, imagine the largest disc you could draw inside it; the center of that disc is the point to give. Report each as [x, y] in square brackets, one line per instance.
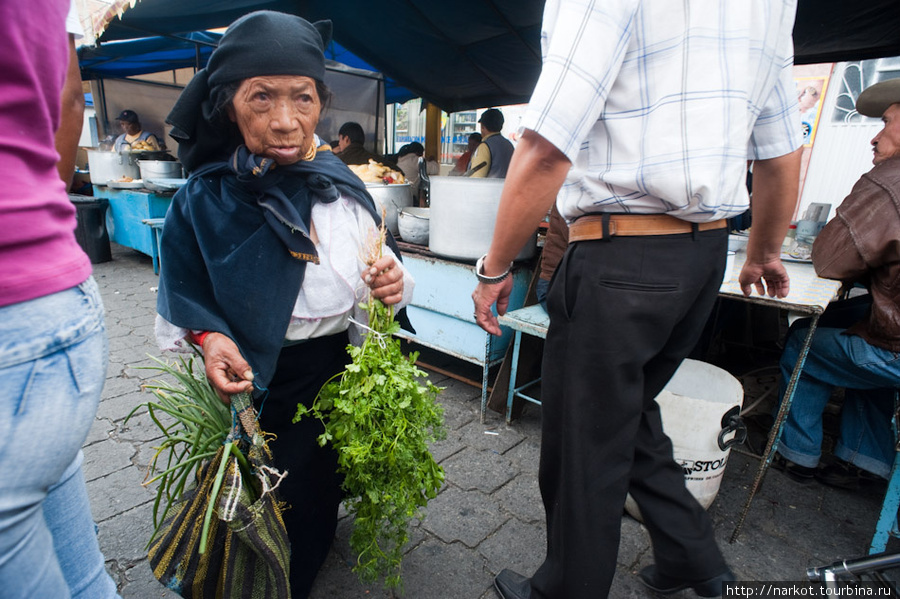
[310, 153]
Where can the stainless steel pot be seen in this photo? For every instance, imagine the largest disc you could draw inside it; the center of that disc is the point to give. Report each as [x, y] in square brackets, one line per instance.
[413, 225]
[160, 169]
[463, 215]
[111, 166]
[393, 198]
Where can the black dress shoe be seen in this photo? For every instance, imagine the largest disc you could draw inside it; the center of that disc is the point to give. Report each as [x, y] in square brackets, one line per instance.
[511, 585]
[666, 585]
[844, 475]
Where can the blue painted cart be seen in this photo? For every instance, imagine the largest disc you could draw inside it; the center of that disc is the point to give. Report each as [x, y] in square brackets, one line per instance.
[442, 310]
[128, 209]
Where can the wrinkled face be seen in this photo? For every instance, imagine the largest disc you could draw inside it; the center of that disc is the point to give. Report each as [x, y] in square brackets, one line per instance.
[277, 116]
[887, 143]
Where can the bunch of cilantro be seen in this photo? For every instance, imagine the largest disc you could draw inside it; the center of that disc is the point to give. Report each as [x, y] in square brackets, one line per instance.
[380, 413]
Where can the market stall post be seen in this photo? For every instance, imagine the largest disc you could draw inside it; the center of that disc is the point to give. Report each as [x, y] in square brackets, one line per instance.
[432, 131]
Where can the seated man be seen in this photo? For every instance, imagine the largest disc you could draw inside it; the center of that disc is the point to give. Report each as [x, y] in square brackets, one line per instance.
[408, 163]
[556, 241]
[350, 146]
[860, 245]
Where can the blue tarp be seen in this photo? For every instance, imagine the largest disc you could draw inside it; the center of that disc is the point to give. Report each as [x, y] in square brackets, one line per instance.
[459, 55]
[147, 55]
[155, 54]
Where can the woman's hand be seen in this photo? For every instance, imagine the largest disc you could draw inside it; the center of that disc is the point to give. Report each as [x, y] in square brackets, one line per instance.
[226, 369]
[385, 279]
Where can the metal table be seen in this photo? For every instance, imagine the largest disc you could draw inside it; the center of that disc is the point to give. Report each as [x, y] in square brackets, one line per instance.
[128, 211]
[809, 295]
[441, 310]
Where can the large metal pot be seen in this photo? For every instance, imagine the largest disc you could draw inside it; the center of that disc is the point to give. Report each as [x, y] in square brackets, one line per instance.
[111, 166]
[392, 198]
[463, 215]
[160, 169]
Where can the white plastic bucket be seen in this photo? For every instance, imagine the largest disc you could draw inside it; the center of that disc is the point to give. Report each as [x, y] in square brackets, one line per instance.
[700, 409]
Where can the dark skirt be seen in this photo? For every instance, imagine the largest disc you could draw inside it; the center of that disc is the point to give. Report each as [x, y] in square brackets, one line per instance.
[312, 486]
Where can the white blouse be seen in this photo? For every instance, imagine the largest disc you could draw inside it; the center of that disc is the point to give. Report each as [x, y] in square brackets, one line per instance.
[332, 289]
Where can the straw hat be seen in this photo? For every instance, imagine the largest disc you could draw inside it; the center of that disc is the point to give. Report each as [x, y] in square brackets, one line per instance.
[874, 100]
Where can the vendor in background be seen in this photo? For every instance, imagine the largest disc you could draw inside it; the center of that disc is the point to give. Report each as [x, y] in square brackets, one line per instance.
[263, 184]
[132, 131]
[351, 138]
[495, 151]
[465, 159]
[408, 163]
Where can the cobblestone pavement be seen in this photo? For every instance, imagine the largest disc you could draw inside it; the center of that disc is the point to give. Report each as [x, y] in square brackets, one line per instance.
[488, 515]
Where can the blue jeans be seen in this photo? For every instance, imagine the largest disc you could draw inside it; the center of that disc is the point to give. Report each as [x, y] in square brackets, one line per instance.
[53, 354]
[541, 289]
[869, 375]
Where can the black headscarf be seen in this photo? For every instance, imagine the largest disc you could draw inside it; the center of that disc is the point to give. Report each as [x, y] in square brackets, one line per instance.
[260, 43]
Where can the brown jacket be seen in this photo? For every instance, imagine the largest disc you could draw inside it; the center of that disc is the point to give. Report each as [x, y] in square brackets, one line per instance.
[861, 244]
[555, 243]
[358, 154]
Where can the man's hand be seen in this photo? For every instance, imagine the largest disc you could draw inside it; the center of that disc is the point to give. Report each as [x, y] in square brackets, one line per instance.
[484, 297]
[775, 192]
[226, 369]
[536, 172]
[770, 278]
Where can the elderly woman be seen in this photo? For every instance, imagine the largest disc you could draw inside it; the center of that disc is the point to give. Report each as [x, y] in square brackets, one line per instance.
[262, 252]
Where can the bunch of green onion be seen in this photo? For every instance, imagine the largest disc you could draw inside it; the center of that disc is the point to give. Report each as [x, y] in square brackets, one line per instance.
[194, 423]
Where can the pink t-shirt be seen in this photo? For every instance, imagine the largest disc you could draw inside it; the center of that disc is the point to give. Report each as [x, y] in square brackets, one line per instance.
[38, 251]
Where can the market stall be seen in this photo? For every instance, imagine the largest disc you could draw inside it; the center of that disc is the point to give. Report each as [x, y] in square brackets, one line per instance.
[126, 216]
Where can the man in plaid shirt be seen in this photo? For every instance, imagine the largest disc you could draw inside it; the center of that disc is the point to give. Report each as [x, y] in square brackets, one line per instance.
[640, 127]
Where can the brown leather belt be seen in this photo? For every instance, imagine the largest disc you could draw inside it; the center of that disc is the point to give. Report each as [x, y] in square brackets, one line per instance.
[600, 226]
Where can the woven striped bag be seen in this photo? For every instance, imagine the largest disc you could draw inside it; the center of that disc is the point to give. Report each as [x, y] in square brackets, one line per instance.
[247, 553]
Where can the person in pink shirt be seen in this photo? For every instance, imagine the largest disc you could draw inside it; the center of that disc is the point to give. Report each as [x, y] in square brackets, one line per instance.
[53, 345]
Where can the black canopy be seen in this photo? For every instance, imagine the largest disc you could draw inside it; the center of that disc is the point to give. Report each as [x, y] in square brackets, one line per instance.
[476, 53]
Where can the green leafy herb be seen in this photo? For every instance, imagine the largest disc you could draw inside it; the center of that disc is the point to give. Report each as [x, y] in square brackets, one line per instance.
[380, 414]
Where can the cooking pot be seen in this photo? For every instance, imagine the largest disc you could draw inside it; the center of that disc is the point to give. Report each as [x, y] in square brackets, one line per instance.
[160, 169]
[463, 214]
[111, 166]
[152, 155]
[392, 198]
[413, 225]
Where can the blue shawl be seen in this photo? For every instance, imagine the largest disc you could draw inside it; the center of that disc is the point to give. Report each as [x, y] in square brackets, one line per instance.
[235, 245]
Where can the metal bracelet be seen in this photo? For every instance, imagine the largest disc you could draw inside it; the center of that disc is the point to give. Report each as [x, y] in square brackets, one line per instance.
[482, 278]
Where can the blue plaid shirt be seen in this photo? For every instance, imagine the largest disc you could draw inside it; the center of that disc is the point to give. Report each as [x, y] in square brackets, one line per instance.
[659, 104]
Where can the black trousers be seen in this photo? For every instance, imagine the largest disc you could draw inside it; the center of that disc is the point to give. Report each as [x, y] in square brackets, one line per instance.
[624, 313]
[312, 487]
